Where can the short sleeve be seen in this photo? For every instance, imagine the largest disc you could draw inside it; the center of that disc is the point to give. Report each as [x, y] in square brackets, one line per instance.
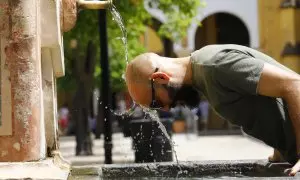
[237, 71]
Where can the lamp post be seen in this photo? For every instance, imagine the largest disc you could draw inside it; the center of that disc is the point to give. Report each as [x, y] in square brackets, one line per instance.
[105, 88]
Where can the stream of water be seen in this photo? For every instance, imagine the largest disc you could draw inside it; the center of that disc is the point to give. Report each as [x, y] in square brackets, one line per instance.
[119, 20]
[152, 113]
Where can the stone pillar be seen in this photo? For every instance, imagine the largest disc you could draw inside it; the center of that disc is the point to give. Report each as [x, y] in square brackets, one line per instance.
[20, 49]
[49, 95]
[57, 16]
[290, 34]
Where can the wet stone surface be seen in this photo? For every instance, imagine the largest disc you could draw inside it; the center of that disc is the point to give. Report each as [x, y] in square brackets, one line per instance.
[184, 170]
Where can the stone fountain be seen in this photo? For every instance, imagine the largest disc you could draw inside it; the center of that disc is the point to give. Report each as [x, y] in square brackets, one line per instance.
[32, 57]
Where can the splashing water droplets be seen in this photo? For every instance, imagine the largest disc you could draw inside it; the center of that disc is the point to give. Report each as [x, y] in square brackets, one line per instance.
[154, 116]
[148, 112]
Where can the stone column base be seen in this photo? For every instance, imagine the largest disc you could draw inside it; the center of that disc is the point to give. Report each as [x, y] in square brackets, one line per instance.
[51, 168]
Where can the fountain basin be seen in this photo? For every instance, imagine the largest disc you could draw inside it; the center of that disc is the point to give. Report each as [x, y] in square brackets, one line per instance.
[250, 169]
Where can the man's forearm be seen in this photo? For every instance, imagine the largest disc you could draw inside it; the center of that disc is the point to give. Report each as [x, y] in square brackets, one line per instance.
[293, 100]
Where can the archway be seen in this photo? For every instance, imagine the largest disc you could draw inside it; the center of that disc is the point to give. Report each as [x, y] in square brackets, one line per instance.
[222, 28]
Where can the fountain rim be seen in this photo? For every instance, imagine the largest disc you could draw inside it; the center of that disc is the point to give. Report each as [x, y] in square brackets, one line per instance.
[152, 169]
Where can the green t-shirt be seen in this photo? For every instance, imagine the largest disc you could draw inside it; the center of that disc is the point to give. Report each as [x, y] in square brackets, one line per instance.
[228, 75]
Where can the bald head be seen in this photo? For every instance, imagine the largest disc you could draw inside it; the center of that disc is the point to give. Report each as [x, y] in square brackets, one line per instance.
[138, 73]
[141, 67]
[171, 75]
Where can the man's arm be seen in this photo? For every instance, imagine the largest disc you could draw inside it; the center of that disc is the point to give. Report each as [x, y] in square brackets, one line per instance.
[276, 82]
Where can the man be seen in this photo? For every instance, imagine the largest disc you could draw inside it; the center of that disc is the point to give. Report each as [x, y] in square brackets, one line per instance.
[242, 85]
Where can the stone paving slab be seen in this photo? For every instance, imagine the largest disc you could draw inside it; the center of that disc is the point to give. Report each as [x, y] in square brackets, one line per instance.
[122, 150]
[187, 147]
[228, 147]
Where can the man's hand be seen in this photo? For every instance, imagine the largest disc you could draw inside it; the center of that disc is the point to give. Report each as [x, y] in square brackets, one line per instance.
[295, 169]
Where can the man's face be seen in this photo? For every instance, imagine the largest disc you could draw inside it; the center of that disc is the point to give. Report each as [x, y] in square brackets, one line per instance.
[185, 94]
[151, 87]
[165, 96]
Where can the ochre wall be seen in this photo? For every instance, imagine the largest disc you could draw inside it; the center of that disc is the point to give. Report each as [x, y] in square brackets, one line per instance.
[152, 41]
[290, 35]
[269, 28]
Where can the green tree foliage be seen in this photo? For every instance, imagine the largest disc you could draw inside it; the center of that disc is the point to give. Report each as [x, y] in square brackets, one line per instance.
[179, 13]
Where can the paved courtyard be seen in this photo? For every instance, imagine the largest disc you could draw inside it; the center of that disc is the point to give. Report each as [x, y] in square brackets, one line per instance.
[188, 148]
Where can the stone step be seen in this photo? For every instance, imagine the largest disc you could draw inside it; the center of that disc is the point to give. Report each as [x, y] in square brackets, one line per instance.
[249, 169]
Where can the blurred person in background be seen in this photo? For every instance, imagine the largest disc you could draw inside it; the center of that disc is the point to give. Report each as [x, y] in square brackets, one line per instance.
[182, 112]
[204, 109]
[63, 118]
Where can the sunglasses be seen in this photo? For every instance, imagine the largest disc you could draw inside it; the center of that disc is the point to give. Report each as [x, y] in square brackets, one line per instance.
[154, 104]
